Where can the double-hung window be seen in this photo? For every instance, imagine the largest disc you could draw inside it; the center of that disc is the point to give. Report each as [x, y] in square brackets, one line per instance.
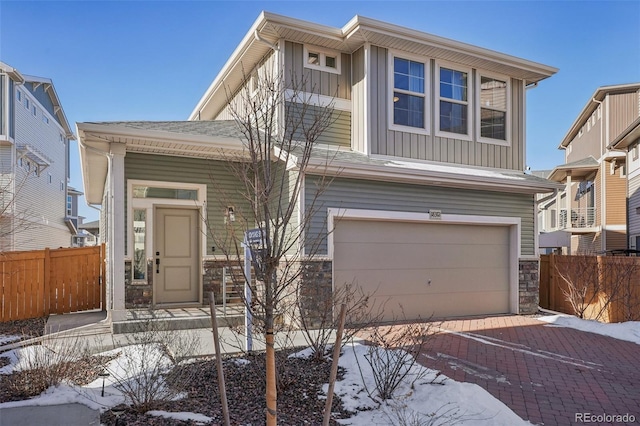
[454, 112]
[494, 93]
[409, 93]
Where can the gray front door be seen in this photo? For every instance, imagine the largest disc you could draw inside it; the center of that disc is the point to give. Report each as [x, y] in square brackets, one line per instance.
[177, 257]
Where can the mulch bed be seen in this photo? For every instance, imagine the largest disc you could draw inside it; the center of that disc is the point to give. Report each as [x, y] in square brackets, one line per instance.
[25, 328]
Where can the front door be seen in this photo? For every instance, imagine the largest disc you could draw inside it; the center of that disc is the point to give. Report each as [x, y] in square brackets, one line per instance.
[176, 262]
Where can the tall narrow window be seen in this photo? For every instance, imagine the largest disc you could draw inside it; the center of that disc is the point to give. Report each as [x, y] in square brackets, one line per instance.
[494, 95]
[139, 239]
[453, 105]
[408, 93]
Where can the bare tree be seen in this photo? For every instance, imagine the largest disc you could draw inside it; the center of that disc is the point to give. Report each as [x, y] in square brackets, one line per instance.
[280, 124]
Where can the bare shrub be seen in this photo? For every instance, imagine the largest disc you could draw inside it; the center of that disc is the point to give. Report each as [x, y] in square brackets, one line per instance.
[400, 414]
[392, 355]
[145, 372]
[582, 277]
[51, 362]
[317, 327]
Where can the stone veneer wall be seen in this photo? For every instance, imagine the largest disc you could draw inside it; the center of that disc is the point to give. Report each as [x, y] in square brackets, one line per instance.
[529, 286]
[316, 288]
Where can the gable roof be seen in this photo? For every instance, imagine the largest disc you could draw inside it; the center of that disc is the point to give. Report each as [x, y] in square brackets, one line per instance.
[580, 168]
[592, 104]
[269, 28]
[630, 135]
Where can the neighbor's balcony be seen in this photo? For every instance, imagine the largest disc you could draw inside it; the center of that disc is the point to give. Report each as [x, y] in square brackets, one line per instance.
[581, 217]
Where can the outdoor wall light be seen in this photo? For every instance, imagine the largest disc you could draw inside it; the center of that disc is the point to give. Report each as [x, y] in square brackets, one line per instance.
[231, 214]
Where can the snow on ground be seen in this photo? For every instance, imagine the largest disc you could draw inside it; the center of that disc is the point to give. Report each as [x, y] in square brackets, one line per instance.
[629, 331]
[432, 397]
[4, 339]
[198, 418]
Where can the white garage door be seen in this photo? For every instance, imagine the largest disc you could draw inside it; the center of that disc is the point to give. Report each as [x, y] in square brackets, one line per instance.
[430, 269]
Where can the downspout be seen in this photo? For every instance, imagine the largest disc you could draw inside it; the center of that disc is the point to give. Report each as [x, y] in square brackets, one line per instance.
[111, 233]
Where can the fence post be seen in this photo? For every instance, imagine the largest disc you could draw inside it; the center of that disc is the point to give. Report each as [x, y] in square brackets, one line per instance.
[552, 282]
[47, 281]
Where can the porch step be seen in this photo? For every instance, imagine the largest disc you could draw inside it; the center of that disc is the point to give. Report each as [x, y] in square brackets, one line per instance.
[132, 325]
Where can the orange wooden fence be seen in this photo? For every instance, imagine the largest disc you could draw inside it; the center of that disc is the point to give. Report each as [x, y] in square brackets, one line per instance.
[611, 284]
[37, 283]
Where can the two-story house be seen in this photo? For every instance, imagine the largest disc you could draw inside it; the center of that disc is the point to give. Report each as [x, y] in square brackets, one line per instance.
[592, 206]
[34, 163]
[429, 207]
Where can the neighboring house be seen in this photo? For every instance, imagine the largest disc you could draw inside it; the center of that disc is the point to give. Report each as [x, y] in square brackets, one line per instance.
[34, 163]
[592, 205]
[92, 228]
[629, 140]
[80, 234]
[430, 205]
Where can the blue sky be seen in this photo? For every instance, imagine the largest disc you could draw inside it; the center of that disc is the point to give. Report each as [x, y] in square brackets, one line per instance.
[149, 60]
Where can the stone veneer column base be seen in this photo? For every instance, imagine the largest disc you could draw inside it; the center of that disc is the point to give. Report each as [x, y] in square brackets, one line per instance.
[528, 286]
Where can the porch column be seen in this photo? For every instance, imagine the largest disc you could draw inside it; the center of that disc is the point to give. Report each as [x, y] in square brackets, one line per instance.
[569, 200]
[116, 185]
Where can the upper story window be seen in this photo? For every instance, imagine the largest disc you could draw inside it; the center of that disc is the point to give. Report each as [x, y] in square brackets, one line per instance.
[453, 101]
[321, 59]
[494, 93]
[45, 119]
[26, 103]
[19, 96]
[69, 205]
[34, 110]
[409, 94]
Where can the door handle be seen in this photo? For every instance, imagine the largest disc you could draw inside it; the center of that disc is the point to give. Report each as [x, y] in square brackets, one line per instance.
[157, 262]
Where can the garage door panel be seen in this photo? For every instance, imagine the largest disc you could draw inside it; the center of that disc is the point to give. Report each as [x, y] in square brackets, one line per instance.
[422, 281]
[399, 255]
[352, 231]
[444, 269]
[440, 306]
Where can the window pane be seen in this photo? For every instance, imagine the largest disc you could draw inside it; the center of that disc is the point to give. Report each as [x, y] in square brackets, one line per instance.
[170, 193]
[453, 84]
[330, 61]
[493, 124]
[139, 236]
[493, 93]
[453, 117]
[408, 75]
[314, 58]
[408, 110]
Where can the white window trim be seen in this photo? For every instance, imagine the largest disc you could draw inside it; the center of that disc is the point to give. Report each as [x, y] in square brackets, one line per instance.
[507, 141]
[427, 93]
[323, 55]
[148, 204]
[469, 103]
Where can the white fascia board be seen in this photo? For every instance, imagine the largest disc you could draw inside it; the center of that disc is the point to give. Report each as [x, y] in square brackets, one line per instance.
[393, 174]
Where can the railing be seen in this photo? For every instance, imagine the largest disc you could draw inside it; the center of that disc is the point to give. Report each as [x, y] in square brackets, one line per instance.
[581, 217]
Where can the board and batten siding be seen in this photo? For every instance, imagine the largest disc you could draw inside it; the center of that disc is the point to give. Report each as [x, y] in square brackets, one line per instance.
[371, 195]
[623, 109]
[264, 70]
[316, 81]
[223, 188]
[434, 148]
[358, 107]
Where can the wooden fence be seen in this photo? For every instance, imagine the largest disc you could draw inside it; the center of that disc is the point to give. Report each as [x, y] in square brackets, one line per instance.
[606, 288]
[37, 283]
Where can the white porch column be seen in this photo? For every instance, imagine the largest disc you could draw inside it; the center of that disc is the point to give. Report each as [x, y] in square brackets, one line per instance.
[118, 229]
[569, 200]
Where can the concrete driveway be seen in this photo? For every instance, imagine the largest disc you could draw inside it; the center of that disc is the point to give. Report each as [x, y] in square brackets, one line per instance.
[546, 374]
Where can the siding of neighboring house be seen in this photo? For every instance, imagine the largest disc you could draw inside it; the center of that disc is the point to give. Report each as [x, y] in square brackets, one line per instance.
[223, 188]
[634, 193]
[375, 195]
[434, 148]
[616, 193]
[616, 240]
[41, 198]
[588, 141]
[318, 82]
[623, 110]
[597, 183]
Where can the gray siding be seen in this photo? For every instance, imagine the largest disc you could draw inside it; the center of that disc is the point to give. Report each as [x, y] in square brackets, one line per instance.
[434, 148]
[318, 82]
[223, 188]
[589, 142]
[361, 194]
[337, 133]
[3, 107]
[40, 93]
[359, 121]
[12, 109]
[634, 204]
[265, 70]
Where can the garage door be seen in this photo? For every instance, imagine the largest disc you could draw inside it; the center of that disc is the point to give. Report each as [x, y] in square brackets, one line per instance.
[430, 269]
